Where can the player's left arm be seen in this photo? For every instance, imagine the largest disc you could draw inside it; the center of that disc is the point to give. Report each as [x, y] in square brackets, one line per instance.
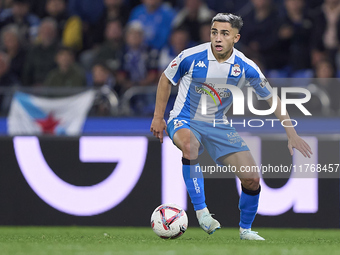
[294, 140]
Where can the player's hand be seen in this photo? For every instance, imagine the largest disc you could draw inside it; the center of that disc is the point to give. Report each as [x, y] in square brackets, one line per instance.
[298, 143]
[157, 127]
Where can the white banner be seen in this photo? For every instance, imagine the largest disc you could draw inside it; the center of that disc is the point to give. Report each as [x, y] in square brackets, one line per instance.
[31, 115]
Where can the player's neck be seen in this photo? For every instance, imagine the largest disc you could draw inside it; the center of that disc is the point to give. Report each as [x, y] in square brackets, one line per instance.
[223, 57]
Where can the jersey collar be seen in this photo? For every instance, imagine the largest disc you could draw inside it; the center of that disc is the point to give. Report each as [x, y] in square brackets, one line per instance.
[211, 56]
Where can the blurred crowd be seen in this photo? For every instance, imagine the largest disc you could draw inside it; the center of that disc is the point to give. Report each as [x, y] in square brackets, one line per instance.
[127, 43]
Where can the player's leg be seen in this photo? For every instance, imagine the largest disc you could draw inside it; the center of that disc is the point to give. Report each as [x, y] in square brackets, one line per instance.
[187, 142]
[249, 199]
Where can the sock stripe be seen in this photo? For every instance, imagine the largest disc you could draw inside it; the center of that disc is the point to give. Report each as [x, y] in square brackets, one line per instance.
[189, 161]
[251, 192]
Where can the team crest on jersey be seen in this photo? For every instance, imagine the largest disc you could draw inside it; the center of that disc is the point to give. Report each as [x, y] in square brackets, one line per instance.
[201, 64]
[235, 70]
[179, 123]
[173, 63]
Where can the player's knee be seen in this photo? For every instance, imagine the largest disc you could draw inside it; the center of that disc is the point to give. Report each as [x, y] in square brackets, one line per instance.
[190, 150]
[251, 183]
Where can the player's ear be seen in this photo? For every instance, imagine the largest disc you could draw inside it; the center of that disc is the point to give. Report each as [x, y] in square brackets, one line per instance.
[237, 38]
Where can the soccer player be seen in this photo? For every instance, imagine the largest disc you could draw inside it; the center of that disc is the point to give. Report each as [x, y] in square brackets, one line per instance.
[201, 73]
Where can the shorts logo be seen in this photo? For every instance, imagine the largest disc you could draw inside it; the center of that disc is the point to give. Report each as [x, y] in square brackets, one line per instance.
[235, 138]
[201, 64]
[235, 70]
[179, 123]
[173, 63]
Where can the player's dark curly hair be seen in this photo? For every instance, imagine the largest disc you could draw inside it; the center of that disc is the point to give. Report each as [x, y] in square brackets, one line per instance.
[234, 20]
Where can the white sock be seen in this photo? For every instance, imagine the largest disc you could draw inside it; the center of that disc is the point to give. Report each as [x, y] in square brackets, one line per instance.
[200, 212]
[242, 229]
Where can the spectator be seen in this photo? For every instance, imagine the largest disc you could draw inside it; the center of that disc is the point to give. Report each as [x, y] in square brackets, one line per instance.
[40, 58]
[194, 13]
[325, 79]
[19, 14]
[205, 30]
[69, 28]
[156, 18]
[56, 9]
[326, 31]
[179, 41]
[68, 73]
[12, 46]
[114, 10]
[259, 35]
[295, 34]
[104, 81]
[102, 76]
[5, 4]
[139, 64]
[110, 52]
[6, 77]
[89, 12]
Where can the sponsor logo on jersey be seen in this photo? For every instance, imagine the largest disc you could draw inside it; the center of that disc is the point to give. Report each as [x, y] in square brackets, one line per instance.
[201, 64]
[211, 90]
[179, 123]
[235, 70]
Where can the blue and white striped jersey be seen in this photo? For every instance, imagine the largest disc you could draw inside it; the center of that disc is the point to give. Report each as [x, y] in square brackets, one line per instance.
[202, 81]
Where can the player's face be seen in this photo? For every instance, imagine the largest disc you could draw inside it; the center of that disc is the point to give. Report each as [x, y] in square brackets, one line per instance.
[223, 37]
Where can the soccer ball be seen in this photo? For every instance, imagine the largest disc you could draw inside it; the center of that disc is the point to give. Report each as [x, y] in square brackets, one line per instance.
[169, 221]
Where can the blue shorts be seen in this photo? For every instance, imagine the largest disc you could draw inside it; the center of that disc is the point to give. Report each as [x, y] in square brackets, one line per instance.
[219, 140]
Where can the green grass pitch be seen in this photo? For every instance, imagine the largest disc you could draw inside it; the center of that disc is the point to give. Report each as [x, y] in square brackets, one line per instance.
[140, 241]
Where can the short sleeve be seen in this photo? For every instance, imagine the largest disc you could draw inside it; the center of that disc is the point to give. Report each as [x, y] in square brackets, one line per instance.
[258, 81]
[177, 69]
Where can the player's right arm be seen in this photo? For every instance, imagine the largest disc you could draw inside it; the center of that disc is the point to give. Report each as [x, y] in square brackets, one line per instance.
[158, 124]
[171, 76]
